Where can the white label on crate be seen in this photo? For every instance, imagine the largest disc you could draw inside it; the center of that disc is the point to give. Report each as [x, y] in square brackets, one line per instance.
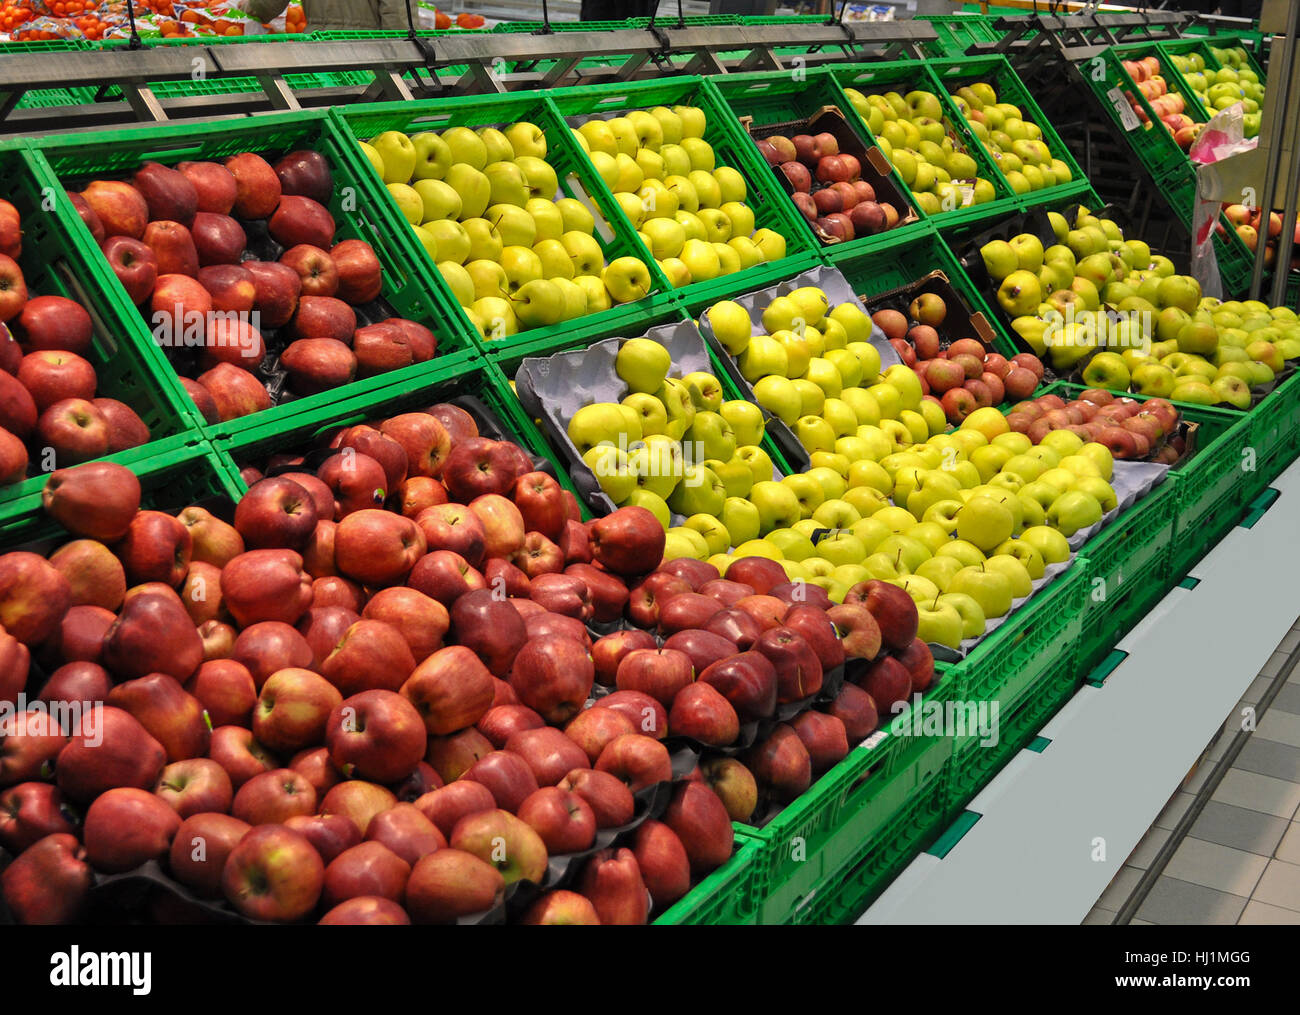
[1126, 115]
[873, 741]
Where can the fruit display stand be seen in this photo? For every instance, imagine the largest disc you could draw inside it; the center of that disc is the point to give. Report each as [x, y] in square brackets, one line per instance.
[577, 179]
[358, 211]
[959, 32]
[56, 262]
[773, 102]
[731, 148]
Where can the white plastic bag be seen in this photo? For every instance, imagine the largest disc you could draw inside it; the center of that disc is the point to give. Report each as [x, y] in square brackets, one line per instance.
[1222, 137]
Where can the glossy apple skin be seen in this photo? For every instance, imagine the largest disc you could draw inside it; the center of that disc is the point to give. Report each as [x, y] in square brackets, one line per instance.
[273, 874]
[125, 827]
[553, 675]
[612, 881]
[49, 883]
[199, 850]
[452, 883]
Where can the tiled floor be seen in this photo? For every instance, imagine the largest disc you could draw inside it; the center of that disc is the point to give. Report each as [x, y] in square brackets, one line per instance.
[1240, 861]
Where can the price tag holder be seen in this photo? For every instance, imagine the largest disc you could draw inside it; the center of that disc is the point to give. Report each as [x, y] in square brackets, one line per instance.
[1127, 117]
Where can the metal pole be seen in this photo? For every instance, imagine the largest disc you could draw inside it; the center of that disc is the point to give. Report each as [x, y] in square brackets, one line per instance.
[1273, 157]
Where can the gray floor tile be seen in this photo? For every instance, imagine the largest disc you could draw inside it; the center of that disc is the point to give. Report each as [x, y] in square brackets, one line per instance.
[1274, 665]
[1147, 849]
[1284, 727]
[1289, 848]
[1174, 810]
[1280, 885]
[1119, 889]
[1258, 793]
[1213, 866]
[1268, 757]
[1288, 699]
[1237, 721]
[1239, 828]
[1257, 912]
[1256, 690]
[1193, 783]
[1141, 923]
[1099, 917]
[1217, 750]
[1289, 643]
[1178, 902]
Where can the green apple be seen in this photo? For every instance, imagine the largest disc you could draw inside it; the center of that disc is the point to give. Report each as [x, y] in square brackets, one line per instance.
[730, 324]
[939, 569]
[712, 435]
[1014, 571]
[437, 200]
[555, 260]
[585, 252]
[398, 156]
[985, 523]
[699, 492]
[521, 266]
[408, 202]
[642, 364]
[473, 186]
[866, 500]
[680, 541]
[744, 418]
[989, 588]
[757, 461]
[1074, 510]
[792, 544]
[651, 411]
[863, 403]
[458, 281]
[969, 554]
[600, 422]
[609, 465]
[973, 621]
[652, 502]
[814, 433]
[626, 278]
[1097, 487]
[741, 519]
[701, 259]
[778, 396]
[715, 533]
[451, 239]
[912, 552]
[778, 505]
[735, 476]
[763, 357]
[938, 623]
[836, 513]
[574, 215]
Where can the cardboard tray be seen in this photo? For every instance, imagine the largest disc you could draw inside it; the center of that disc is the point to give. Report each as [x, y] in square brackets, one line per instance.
[960, 322]
[553, 388]
[876, 169]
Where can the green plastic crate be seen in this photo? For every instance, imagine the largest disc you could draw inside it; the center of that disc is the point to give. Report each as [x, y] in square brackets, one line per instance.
[997, 71]
[357, 207]
[1020, 719]
[1236, 261]
[48, 98]
[823, 832]
[56, 263]
[174, 473]
[731, 148]
[957, 33]
[879, 859]
[718, 899]
[576, 175]
[775, 97]
[874, 272]
[907, 75]
[1215, 487]
[1110, 82]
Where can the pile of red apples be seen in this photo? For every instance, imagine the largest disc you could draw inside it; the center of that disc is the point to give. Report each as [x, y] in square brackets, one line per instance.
[48, 385]
[188, 242]
[828, 187]
[964, 376]
[1131, 429]
[384, 669]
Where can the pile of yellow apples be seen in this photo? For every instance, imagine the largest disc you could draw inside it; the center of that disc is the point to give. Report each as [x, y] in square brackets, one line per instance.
[1106, 306]
[689, 212]
[1013, 140]
[486, 207]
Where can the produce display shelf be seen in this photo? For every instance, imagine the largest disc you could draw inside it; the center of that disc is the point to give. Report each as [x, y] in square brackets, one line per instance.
[173, 472]
[576, 175]
[718, 899]
[998, 72]
[358, 209]
[908, 75]
[849, 811]
[56, 261]
[731, 147]
[772, 97]
[880, 271]
[1204, 45]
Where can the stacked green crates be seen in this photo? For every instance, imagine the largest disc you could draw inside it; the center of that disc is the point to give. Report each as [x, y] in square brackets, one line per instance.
[958, 32]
